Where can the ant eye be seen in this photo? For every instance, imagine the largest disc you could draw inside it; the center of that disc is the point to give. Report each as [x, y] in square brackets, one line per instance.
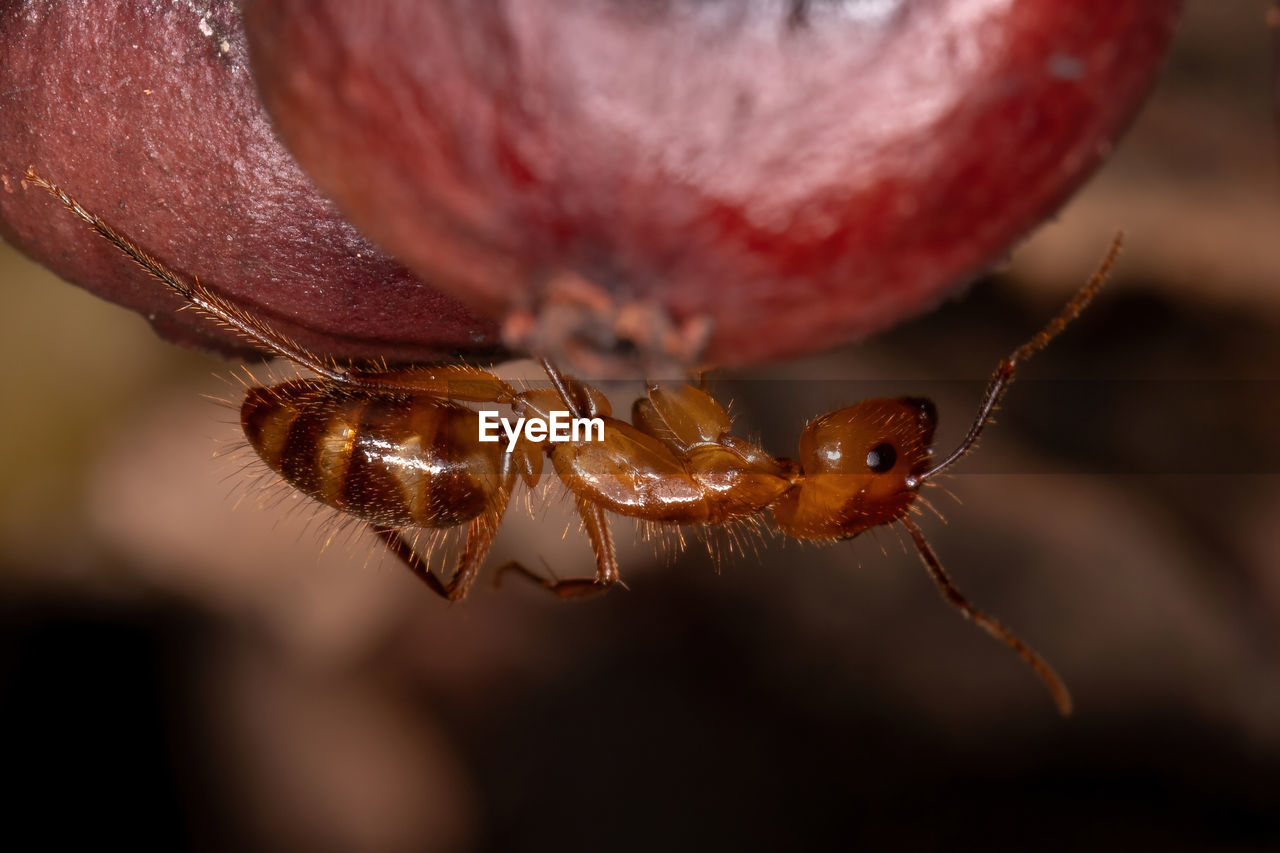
[881, 458]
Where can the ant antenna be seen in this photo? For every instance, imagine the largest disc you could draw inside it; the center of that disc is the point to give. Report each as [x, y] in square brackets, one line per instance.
[1057, 689]
[1000, 381]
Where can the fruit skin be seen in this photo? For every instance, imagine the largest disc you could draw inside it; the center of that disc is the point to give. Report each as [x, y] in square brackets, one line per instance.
[147, 113]
[645, 152]
[791, 175]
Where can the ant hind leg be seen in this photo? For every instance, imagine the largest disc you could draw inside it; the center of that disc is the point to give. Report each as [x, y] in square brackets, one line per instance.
[480, 535]
[401, 547]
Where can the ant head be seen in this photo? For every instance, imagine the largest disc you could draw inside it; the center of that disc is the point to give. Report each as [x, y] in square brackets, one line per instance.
[862, 467]
[884, 440]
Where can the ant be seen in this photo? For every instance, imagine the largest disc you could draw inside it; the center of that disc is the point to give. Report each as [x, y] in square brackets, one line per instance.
[400, 450]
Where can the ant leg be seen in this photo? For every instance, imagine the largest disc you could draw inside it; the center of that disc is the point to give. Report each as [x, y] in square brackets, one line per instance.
[398, 545]
[480, 535]
[209, 303]
[520, 569]
[456, 382]
[583, 400]
[957, 600]
[597, 525]
[577, 398]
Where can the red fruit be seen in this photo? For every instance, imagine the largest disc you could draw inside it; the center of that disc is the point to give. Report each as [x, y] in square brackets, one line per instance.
[709, 180]
[146, 112]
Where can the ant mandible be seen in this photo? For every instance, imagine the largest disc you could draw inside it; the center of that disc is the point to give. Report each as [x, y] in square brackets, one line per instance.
[399, 450]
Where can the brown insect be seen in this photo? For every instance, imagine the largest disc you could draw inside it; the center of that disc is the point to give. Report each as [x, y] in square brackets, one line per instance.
[400, 450]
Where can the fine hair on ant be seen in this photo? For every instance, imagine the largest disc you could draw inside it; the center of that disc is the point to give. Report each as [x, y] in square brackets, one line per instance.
[401, 450]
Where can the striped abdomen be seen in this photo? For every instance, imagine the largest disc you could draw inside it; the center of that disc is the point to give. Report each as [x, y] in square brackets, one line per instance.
[396, 460]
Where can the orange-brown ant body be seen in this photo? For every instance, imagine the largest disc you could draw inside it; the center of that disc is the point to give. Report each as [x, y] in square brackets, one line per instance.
[400, 450]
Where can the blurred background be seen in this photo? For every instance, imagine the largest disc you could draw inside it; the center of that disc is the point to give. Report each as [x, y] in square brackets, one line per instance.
[184, 663]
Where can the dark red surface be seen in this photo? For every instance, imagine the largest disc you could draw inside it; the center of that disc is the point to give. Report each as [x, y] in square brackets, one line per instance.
[147, 113]
[781, 182]
[798, 174]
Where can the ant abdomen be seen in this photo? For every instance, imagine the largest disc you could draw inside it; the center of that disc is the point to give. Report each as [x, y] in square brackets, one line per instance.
[395, 460]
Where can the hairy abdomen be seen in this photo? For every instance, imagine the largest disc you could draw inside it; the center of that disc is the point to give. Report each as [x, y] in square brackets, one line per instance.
[398, 461]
